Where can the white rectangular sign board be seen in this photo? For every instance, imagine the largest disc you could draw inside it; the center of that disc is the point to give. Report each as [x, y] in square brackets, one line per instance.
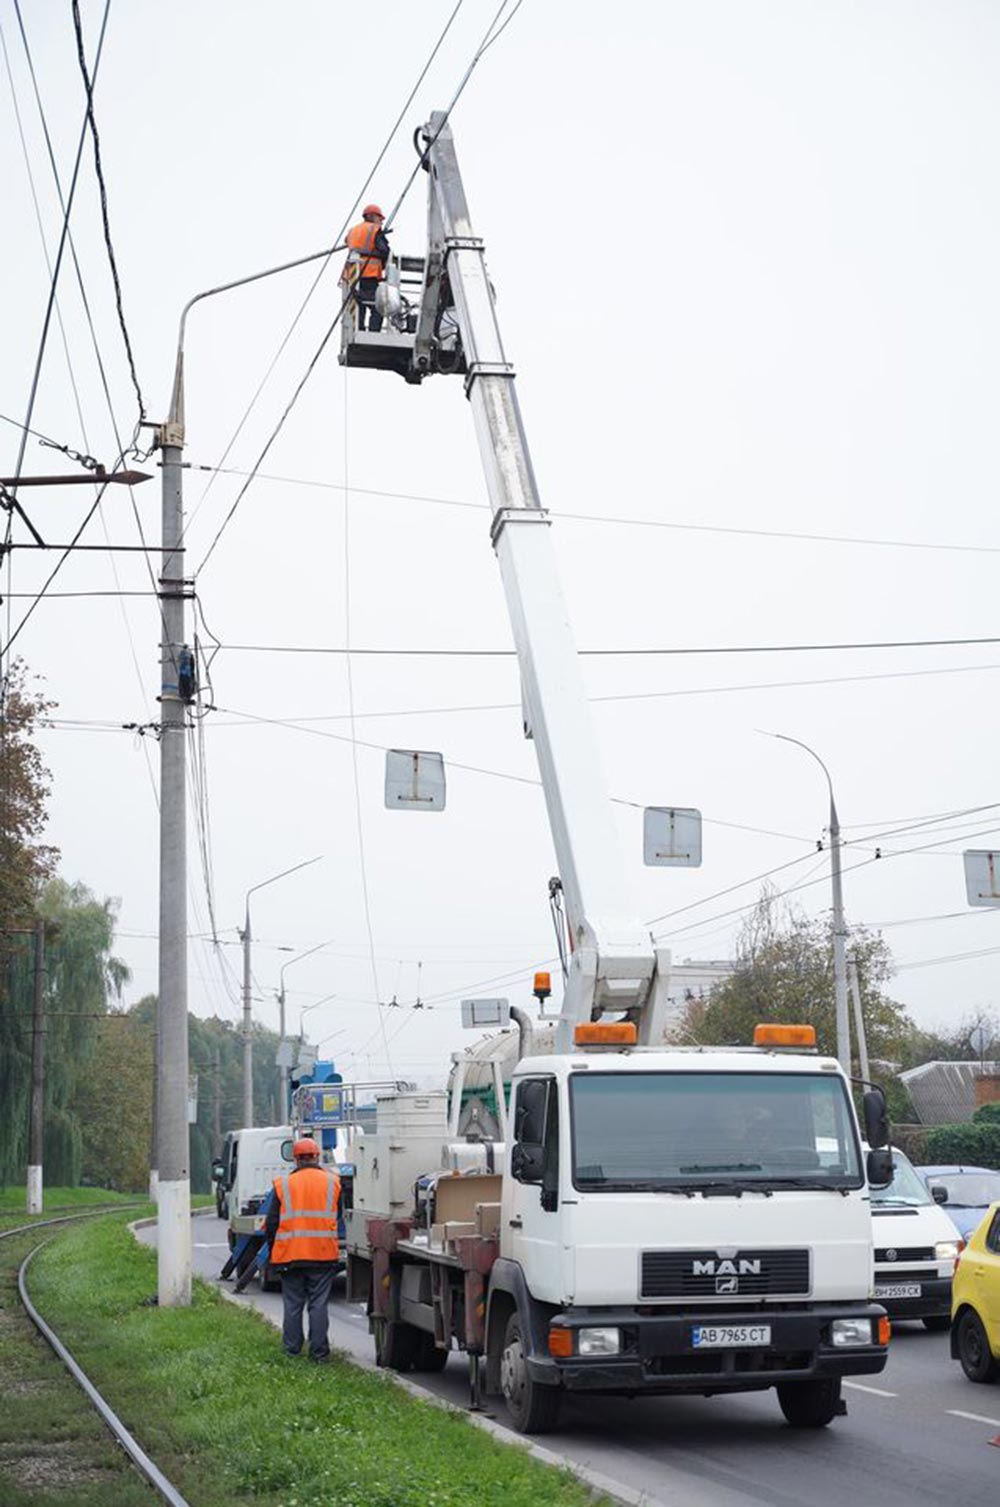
[414, 780]
[982, 876]
[671, 837]
[485, 1012]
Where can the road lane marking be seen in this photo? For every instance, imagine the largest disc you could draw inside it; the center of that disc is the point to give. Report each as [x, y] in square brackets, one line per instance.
[210, 1245]
[859, 1386]
[973, 1417]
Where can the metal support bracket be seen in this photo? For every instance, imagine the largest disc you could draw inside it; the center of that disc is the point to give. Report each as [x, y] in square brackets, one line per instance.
[487, 369]
[170, 433]
[515, 515]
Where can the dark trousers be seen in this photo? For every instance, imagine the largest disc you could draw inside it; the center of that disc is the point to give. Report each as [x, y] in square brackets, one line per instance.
[302, 1285]
[366, 305]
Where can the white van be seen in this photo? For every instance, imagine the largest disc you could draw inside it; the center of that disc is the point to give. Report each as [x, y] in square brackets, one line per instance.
[916, 1247]
[256, 1158]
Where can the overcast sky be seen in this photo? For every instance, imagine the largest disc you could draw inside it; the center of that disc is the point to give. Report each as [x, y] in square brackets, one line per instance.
[746, 262]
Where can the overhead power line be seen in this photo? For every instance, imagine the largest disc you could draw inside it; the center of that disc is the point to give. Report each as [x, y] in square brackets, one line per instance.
[88, 85]
[623, 653]
[488, 39]
[674, 525]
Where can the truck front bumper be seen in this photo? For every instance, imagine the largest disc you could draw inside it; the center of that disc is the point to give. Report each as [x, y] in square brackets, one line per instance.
[658, 1353]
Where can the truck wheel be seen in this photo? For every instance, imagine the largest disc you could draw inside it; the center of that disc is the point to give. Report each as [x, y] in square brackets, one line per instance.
[974, 1349]
[270, 1280]
[533, 1408]
[810, 1404]
[426, 1355]
[937, 1323]
[395, 1344]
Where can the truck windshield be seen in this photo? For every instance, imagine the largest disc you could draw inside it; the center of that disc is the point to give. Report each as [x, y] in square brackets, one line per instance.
[722, 1131]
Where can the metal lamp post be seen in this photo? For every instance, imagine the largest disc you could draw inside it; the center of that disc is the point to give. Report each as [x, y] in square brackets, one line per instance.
[839, 926]
[171, 1173]
[283, 1070]
[246, 938]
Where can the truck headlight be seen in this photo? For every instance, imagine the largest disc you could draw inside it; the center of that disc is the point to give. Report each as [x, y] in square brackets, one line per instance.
[846, 1332]
[947, 1250]
[598, 1341]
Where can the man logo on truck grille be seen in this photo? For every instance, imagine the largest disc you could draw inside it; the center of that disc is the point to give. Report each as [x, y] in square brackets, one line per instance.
[726, 1268]
[727, 1284]
[891, 1255]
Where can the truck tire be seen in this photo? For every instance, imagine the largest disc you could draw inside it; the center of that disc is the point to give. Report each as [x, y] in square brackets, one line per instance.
[937, 1323]
[533, 1408]
[395, 1344]
[974, 1348]
[810, 1404]
[270, 1280]
[426, 1355]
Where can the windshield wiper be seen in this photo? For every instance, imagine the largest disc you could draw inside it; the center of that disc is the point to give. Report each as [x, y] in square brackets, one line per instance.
[723, 1167]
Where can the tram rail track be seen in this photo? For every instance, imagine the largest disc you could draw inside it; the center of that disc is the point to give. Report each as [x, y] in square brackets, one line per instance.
[133, 1449]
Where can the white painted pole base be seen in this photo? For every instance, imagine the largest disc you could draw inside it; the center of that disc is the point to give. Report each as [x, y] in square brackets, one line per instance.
[174, 1242]
[34, 1190]
[154, 1183]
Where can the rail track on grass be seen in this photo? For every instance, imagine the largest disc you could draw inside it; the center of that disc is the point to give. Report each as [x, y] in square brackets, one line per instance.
[146, 1467]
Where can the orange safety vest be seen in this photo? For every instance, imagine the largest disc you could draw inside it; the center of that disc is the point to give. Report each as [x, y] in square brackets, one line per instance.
[307, 1227]
[362, 238]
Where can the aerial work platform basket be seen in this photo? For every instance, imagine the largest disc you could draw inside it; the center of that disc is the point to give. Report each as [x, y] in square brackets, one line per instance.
[397, 311]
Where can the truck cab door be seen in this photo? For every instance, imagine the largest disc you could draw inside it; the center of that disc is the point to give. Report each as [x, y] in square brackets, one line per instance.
[532, 1209]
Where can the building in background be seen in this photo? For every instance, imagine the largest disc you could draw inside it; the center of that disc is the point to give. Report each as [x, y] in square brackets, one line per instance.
[949, 1093]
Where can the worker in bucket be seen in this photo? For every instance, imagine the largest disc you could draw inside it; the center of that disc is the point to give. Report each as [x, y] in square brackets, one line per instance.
[365, 265]
[301, 1230]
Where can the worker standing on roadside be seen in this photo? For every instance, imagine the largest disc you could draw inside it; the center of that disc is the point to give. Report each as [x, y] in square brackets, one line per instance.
[301, 1230]
[366, 268]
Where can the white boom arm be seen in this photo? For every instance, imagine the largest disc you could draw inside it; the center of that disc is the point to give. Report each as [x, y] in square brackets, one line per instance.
[614, 964]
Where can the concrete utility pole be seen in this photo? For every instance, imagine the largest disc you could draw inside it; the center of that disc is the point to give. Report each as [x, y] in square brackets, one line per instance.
[246, 937]
[36, 1131]
[172, 1135]
[859, 1019]
[839, 926]
[172, 1173]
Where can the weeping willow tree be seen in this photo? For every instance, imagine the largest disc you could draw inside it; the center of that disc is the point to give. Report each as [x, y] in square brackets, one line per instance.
[82, 980]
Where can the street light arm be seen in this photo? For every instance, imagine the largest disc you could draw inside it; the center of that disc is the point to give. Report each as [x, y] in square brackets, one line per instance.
[784, 738]
[298, 959]
[176, 419]
[275, 877]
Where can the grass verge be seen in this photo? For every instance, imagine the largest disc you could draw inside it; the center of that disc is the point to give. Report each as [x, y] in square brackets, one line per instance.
[231, 1419]
[53, 1446]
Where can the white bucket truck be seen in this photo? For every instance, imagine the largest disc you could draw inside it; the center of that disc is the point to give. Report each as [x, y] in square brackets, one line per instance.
[656, 1220]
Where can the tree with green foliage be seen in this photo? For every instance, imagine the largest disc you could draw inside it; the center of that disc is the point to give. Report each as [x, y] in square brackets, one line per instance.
[784, 974]
[25, 861]
[82, 978]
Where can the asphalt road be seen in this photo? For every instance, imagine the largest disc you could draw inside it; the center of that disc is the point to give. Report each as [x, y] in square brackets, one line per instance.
[918, 1433]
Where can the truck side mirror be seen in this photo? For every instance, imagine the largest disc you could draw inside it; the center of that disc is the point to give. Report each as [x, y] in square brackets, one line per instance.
[526, 1162]
[218, 1170]
[939, 1194]
[876, 1117]
[880, 1168]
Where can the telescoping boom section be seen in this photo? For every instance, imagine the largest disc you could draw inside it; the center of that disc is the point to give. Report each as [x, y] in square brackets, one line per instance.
[614, 965]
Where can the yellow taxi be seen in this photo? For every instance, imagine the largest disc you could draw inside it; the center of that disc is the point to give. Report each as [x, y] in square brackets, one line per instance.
[975, 1302]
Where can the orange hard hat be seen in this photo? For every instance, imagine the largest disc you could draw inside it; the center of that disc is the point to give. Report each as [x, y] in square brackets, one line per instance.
[306, 1147]
[370, 212]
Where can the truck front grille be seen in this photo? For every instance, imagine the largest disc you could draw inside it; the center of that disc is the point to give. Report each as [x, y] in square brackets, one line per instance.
[706, 1274]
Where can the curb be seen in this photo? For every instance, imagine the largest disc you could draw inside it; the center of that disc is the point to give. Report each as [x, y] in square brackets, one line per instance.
[598, 1484]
